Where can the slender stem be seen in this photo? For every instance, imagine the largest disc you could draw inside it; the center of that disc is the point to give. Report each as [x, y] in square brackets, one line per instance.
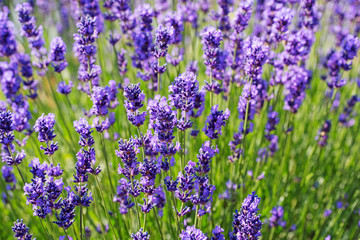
[196, 215]
[144, 222]
[105, 207]
[17, 167]
[107, 162]
[158, 223]
[158, 76]
[142, 144]
[44, 229]
[211, 93]
[136, 202]
[81, 213]
[22, 177]
[47, 219]
[246, 118]
[66, 233]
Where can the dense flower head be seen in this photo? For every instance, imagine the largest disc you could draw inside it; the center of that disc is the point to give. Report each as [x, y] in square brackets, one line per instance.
[127, 153]
[215, 121]
[84, 129]
[21, 231]
[256, 54]
[165, 120]
[192, 233]
[296, 81]
[6, 127]
[57, 54]
[135, 97]
[217, 233]
[140, 235]
[163, 38]
[64, 88]
[174, 20]
[184, 91]
[282, 20]
[246, 223]
[101, 101]
[206, 153]
[34, 35]
[122, 196]
[323, 134]
[8, 175]
[38, 170]
[146, 14]
[242, 16]
[122, 62]
[350, 46]
[44, 126]
[276, 218]
[67, 213]
[211, 37]
[7, 36]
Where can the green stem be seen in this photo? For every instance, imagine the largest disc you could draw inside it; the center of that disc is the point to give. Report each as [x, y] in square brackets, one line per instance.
[158, 223]
[105, 207]
[107, 163]
[136, 202]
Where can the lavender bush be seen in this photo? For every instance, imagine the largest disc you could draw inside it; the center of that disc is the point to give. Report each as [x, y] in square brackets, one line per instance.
[186, 120]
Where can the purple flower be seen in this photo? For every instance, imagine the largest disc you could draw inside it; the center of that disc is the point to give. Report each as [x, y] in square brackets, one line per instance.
[174, 20]
[215, 121]
[84, 129]
[282, 21]
[135, 98]
[6, 127]
[246, 223]
[38, 170]
[34, 35]
[21, 231]
[127, 153]
[256, 54]
[184, 91]
[101, 101]
[323, 134]
[350, 47]
[57, 54]
[146, 13]
[217, 233]
[140, 235]
[122, 62]
[192, 233]
[67, 213]
[276, 218]
[44, 126]
[242, 16]
[327, 212]
[211, 39]
[7, 39]
[206, 153]
[64, 88]
[85, 50]
[163, 38]
[122, 196]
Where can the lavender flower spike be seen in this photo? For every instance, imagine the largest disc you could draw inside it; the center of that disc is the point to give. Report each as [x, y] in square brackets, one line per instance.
[215, 121]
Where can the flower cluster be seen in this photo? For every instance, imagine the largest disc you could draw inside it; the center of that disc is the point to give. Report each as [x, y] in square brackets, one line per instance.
[247, 223]
[135, 98]
[21, 231]
[34, 35]
[44, 126]
[215, 121]
[86, 50]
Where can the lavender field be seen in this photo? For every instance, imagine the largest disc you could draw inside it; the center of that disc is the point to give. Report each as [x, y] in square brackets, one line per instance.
[191, 119]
